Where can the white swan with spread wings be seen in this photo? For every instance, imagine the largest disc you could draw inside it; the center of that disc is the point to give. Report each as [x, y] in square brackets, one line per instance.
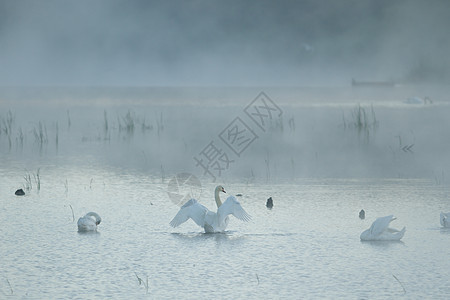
[89, 222]
[212, 222]
[380, 231]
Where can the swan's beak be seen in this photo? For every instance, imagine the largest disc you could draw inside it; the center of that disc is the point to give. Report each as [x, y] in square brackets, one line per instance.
[223, 190]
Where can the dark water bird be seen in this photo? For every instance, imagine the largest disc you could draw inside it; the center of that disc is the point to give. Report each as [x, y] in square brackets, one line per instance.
[362, 214]
[269, 203]
[20, 192]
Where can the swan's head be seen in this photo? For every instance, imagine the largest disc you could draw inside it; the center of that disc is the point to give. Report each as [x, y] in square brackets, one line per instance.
[98, 219]
[220, 188]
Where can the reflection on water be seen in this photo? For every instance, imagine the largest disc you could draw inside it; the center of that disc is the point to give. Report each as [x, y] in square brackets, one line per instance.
[383, 244]
[217, 237]
[444, 230]
[88, 232]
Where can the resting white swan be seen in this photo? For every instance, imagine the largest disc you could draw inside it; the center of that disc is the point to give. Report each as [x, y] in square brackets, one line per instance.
[89, 222]
[212, 222]
[445, 219]
[380, 231]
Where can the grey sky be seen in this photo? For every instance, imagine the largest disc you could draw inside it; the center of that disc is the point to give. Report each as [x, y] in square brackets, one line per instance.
[326, 42]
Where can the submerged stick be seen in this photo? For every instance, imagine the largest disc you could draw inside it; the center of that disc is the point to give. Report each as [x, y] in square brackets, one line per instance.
[10, 287]
[404, 291]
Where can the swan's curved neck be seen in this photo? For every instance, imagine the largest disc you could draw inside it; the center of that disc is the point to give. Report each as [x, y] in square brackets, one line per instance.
[96, 216]
[218, 202]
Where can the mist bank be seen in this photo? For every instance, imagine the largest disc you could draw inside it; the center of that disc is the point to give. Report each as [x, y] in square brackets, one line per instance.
[104, 96]
[325, 138]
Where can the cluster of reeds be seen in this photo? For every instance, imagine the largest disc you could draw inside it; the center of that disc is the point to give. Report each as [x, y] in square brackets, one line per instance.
[39, 131]
[6, 126]
[142, 282]
[40, 134]
[37, 180]
[28, 185]
[126, 124]
[365, 122]
[129, 122]
[145, 126]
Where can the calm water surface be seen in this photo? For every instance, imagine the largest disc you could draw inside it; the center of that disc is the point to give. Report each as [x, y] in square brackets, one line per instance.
[307, 246]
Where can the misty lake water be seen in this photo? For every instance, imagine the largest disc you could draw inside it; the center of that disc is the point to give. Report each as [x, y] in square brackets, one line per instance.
[114, 151]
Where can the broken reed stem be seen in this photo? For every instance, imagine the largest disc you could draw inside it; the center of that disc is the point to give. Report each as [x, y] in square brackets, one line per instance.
[28, 184]
[38, 179]
[404, 291]
[145, 284]
[73, 215]
[10, 287]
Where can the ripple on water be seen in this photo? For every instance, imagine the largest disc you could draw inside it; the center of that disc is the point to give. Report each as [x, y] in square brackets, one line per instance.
[307, 246]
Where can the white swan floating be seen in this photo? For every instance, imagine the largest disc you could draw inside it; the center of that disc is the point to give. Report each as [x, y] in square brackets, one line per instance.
[380, 231]
[418, 100]
[89, 222]
[445, 219]
[210, 221]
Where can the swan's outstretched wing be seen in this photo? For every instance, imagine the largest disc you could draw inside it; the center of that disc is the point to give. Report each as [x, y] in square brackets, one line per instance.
[190, 210]
[380, 225]
[233, 207]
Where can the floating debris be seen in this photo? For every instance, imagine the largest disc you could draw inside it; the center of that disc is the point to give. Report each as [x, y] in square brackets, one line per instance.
[404, 290]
